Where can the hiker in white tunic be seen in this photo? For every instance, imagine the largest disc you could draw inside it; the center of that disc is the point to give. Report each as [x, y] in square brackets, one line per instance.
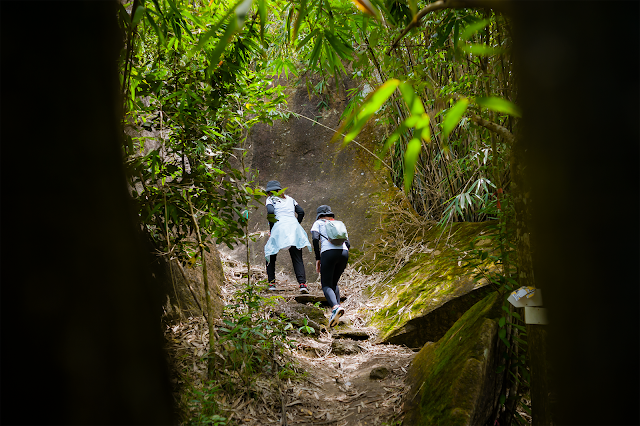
[286, 233]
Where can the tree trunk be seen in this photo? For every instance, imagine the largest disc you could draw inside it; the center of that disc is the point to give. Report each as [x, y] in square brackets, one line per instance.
[579, 168]
[80, 311]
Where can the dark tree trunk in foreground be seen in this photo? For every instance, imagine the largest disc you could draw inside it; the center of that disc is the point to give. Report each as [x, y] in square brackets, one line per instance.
[579, 152]
[81, 333]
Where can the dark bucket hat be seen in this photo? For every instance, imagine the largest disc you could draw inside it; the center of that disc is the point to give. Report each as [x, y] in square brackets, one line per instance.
[273, 185]
[324, 210]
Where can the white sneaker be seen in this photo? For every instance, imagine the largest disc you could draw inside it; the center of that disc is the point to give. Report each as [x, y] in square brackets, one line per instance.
[303, 288]
[335, 316]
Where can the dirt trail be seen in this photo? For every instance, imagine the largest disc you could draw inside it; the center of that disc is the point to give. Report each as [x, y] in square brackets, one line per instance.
[345, 380]
[339, 387]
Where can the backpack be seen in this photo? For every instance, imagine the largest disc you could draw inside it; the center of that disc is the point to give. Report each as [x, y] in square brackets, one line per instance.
[336, 232]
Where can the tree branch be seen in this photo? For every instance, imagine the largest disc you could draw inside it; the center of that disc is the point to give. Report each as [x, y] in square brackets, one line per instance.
[494, 127]
[447, 4]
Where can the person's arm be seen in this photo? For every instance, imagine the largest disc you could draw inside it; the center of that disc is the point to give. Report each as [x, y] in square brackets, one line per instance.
[299, 212]
[271, 212]
[348, 244]
[315, 237]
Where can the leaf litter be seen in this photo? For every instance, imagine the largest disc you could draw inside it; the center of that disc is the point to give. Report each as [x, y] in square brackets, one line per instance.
[327, 389]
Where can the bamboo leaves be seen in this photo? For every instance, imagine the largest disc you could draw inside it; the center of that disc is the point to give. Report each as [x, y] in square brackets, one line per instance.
[499, 105]
[411, 156]
[366, 7]
[371, 104]
[456, 112]
[418, 121]
[453, 117]
[475, 48]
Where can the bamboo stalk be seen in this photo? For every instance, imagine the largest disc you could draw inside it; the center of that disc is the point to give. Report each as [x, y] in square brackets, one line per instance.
[207, 291]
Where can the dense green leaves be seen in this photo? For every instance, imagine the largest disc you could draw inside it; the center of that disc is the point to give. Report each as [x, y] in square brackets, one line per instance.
[198, 81]
[371, 104]
[453, 116]
[499, 105]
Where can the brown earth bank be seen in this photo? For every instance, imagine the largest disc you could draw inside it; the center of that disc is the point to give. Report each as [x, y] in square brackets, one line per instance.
[298, 152]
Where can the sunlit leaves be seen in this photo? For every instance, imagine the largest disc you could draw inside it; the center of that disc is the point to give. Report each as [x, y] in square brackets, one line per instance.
[413, 102]
[366, 7]
[411, 156]
[499, 105]
[418, 120]
[471, 29]
[371, 104]
[453, 116]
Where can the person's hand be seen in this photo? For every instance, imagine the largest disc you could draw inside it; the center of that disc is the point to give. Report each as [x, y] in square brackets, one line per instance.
[317, 266]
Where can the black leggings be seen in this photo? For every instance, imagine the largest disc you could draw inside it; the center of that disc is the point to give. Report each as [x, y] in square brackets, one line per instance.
[298, 265]
[332, 264]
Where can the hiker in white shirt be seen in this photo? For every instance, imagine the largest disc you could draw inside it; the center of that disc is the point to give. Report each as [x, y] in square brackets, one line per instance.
[285, 233]
[331, 260]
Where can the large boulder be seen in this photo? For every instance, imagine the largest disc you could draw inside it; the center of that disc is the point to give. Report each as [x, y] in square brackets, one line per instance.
[433, 289]
[455, 381]
[183, 285]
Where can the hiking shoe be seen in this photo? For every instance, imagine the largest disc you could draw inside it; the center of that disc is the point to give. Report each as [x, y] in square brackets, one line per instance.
[303, 288]
[335, 316]
[272, 287]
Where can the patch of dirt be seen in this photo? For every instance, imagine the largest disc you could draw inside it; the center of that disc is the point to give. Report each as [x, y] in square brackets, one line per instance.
[333, 389]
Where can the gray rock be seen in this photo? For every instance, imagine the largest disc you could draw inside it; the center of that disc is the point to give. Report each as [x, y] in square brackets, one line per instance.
[431, 326]
[379, 373]
[350, 334]
[345, 347]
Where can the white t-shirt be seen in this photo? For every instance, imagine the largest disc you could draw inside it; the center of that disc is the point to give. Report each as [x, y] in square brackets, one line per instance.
[325, 244]
[284, 207]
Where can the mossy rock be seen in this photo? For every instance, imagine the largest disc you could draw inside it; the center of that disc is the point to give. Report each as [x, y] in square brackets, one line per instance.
[455, 381]
[433, 289]
[297, 313]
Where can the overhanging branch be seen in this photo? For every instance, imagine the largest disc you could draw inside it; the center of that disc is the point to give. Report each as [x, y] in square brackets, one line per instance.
[448, 4]
[494, 127]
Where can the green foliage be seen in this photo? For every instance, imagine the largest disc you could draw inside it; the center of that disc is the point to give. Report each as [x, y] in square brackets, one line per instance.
[251, 345]
[306, 328]
[203, 402]
[195, 76]
[452, 75]
[250, 337]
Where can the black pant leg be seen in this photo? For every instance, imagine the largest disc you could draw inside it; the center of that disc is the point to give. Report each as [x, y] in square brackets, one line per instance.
[340, 264]
[298, 264]
[271, 268]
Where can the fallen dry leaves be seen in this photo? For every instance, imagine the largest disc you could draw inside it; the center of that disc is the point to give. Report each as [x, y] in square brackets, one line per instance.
[329, 389]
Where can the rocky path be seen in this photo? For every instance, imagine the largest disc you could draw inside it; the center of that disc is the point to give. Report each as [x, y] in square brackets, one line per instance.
[344, 377]
[349, 380]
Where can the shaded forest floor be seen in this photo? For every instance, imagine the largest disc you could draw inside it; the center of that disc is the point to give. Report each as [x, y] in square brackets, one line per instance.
[339, 376]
